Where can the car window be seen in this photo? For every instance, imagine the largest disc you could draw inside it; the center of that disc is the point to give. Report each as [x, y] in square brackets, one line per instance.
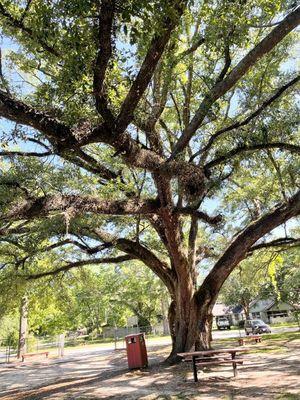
[258, 322]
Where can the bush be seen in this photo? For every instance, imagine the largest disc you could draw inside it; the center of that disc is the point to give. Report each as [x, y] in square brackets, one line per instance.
[9, 330]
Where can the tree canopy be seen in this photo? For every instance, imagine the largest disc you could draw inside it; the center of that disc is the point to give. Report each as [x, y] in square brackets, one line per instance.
[162, 131]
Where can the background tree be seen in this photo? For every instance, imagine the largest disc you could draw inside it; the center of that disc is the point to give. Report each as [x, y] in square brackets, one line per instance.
[286, 280]
[244, 285]
[136, 118]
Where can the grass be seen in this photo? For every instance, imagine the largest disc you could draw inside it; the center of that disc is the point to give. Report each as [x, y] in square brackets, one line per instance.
[288, 396]
[282, 335]
[285, 324]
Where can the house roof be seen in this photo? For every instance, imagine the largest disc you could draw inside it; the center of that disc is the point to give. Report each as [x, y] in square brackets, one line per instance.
[220, 309]
[264, 304]
[236, 309]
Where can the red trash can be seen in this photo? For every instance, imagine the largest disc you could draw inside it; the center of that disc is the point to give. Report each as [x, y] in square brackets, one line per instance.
[136, 351]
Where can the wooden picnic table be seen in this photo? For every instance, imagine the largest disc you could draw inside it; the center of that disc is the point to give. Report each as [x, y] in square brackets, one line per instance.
[207, 357]
[252, 338]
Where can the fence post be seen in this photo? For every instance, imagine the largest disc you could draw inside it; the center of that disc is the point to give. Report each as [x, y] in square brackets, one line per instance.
[6, 353]
[8, 358]
[61, 344]
[115, 334]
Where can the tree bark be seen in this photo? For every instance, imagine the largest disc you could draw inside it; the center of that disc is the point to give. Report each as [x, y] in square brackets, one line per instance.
[190, 322]
[246, 309]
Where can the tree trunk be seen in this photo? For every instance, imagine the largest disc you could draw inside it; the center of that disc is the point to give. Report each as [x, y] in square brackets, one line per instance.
[23, 326]
[205, 330]
[190, 318]
[246, 309]
[190, 324]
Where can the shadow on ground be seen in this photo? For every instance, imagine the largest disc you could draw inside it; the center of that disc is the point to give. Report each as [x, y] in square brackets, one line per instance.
[105, 376]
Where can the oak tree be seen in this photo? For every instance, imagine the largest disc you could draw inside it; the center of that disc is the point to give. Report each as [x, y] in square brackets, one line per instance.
[138, 118]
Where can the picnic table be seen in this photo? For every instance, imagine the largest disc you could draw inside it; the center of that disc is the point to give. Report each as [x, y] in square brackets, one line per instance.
[206, 358]
[252, 338]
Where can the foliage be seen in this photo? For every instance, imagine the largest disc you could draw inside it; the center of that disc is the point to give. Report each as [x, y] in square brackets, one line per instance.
[247, 281]
[89, 298]
[163, 132]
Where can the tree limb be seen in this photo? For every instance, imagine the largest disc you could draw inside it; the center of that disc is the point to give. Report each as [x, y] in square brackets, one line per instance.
[191, 49]
[246, 121]
[19, 25]
[215, 220]
[106, 18]
[82, 263]
[7, 153]
[62, 137]
[281, 242]
[148, 66]
[136, 249]
[248, 148]
[263, 47]
[243, 242]
[44, 206]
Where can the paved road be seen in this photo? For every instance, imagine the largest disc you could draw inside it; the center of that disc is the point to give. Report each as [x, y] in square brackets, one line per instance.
[163, 341]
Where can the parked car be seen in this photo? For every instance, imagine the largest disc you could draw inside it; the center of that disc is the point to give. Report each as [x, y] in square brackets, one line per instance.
[256, 326]
[223, 323]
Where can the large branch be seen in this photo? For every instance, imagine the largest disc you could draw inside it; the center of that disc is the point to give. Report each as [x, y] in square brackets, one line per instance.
[243, 242]
[249, 148]
[263, 47]
[82, 263]
[103, 56]
[136, 249]
[19, 25]
[83, 247]
[148, 66]
[246, 121]
[190, 176]
[12, 153]
[65, 143]
[19, 112]
[62, 137]
[44, 206]
[284, 243]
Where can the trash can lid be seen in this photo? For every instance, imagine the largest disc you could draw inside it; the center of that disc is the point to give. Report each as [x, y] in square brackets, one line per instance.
[134, 335]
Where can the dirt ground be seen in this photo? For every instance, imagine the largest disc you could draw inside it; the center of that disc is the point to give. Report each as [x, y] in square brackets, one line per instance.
[267, 375]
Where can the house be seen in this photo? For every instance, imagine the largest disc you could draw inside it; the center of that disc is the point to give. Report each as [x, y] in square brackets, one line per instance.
[233, 313]
[271, 311]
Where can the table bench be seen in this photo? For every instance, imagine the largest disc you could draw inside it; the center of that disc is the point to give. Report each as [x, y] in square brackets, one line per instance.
[44, 353]
[254, 338]
[208, 358]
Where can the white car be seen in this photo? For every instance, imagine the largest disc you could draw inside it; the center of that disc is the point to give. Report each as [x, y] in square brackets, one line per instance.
[223, 323]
